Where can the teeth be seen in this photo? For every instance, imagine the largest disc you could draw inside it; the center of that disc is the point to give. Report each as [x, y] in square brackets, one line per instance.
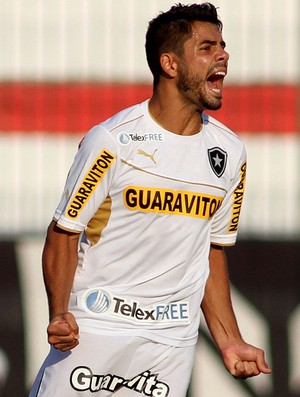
[220, 73]
[217, 90]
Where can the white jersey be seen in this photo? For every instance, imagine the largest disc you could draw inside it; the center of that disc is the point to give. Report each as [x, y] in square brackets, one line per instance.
[149, 203]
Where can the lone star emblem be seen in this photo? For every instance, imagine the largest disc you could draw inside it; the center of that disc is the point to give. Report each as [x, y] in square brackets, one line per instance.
[218, 161]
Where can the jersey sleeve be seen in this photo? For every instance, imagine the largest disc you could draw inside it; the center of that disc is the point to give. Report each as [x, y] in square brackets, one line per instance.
[88, 181]
[225, 222]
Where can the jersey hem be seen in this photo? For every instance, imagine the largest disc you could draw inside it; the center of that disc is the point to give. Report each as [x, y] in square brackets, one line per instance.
[223, 240]
[146, 334]
[69, 226]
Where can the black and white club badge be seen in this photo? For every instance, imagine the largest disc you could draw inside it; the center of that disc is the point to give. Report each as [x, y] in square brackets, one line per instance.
[217, 159]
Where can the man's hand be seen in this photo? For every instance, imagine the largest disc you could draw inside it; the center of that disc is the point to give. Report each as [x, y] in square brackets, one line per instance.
[244, 361]
[63, 332]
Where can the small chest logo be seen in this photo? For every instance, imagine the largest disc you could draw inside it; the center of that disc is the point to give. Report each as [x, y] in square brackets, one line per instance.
[97, 301]
[217, 160]
[151, 156]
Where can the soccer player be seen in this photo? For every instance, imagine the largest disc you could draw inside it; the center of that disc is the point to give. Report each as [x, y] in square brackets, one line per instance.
[152, 197]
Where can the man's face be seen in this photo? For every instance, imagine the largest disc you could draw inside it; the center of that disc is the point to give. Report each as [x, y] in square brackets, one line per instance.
[203, 67]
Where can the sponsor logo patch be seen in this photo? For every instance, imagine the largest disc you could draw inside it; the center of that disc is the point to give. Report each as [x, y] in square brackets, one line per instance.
[83, 379]
[168, 201]
[89, 183]
[126, 137]
[217, 160]
[97, 302]
[238, 195]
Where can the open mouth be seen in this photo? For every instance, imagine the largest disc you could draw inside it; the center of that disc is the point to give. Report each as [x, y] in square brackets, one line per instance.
[215, 81]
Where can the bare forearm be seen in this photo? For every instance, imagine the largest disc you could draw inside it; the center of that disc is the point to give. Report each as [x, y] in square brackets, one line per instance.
[59, 265]
[241, 359]
[216, 305]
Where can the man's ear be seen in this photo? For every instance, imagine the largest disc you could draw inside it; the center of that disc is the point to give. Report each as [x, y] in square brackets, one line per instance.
[169, 64]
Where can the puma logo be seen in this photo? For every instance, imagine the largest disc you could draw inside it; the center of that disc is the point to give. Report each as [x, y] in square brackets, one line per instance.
[151, 156]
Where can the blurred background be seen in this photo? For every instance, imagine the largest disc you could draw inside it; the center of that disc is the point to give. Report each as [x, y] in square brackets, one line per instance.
[66, 66]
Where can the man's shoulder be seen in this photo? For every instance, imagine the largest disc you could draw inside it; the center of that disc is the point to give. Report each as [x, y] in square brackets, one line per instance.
[125, 117]
[219, 128]
[211, 121]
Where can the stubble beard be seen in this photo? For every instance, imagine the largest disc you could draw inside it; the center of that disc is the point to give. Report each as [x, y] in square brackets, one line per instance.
[194, 86]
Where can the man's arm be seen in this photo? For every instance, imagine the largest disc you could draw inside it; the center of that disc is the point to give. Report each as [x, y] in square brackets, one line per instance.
[241, 359]
[59, 264]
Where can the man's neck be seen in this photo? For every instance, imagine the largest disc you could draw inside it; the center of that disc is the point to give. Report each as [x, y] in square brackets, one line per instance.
[174, 115]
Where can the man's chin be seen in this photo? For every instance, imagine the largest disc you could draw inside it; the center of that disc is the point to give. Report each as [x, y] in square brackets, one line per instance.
[214, 106]
[212, 100]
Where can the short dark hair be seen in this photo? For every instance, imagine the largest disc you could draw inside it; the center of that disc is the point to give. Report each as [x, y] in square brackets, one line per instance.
[169, 30]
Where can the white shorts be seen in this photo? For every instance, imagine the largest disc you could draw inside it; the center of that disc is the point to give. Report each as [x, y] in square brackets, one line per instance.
[120, 366]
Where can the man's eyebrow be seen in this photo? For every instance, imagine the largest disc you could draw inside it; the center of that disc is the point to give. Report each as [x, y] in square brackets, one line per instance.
[213, 42]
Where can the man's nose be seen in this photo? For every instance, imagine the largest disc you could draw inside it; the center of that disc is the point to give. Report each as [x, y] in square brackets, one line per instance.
[222, 55]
